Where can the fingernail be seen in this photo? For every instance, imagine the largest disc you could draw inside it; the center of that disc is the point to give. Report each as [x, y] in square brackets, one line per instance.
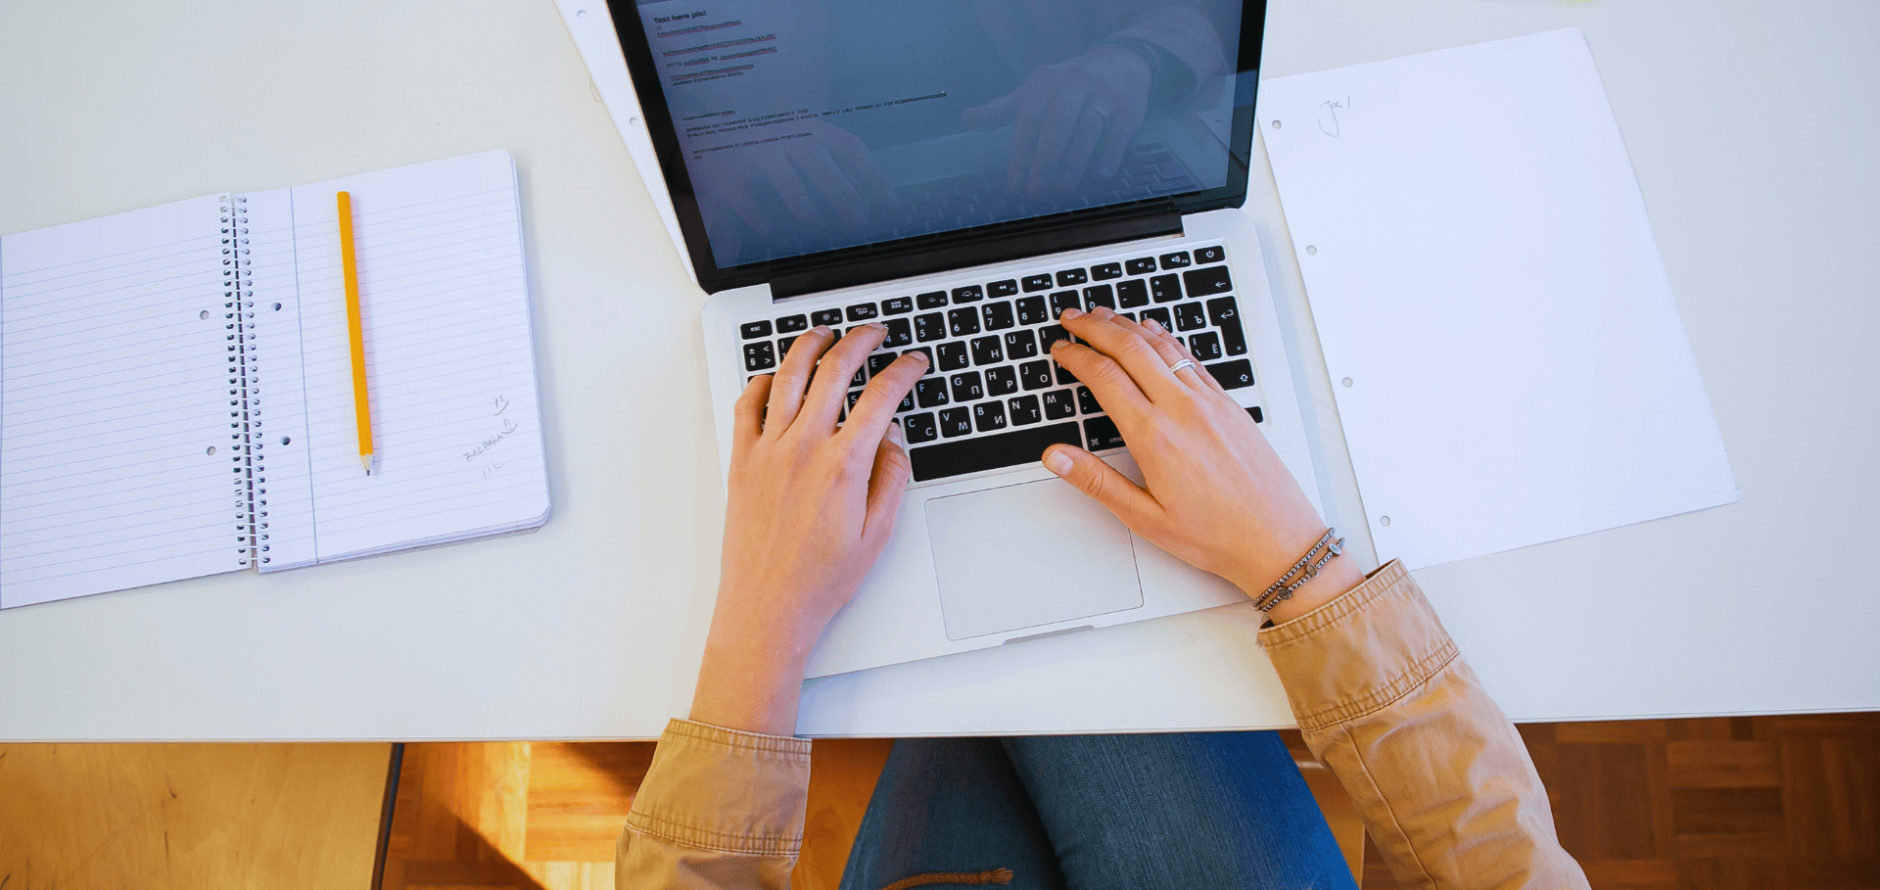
[820, 329]
[895, 435]
[1058, 462]
[919, 355]
[1153, 325]
[878, 326]
[1072, 312]
[1103, 312]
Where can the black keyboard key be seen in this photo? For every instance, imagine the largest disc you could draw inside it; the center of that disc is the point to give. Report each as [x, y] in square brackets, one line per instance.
[933, 300]
[928, 352]
[760, 356]
[790, 324]
[998, 316]
[830, 317]
[854, 396]
[1140, 265]
[954, 422]
[929, 327]
[1106, 271]
[1025, 411]
[1064, 376]
[752, 330]
[989, 416]
[899, 334]
[1160, 314]
[1034, 375]
[897, 306]
[862, 312]
[1062, 300]
[1254, 412]
[1069, 277]
[1226, 316]
[1036, 282]
[907, 403]
[1188, 317]
[1050, 334]
[1234, 374]
[966, 387]
[1059, 404]
[860, 378]
[1206, 281]
[1210, 254]
[1031, 311]
[1129, 315]
[968, 294]
[1176, 260]
[1087, 401]
[783, 347]
[1099, 295]
[1006, 288]
[986, 351]
[1010, 449]
[919, 428]
[961, 322]
[1001, 381]
[1132, 293]
[1165, 288]
[930, 392]
[1021, 344]
[1206, 346]
[879, 362]
[1100, 433]
[953, 355]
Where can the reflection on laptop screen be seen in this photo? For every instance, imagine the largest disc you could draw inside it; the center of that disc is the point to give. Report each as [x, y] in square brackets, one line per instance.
[814, 125]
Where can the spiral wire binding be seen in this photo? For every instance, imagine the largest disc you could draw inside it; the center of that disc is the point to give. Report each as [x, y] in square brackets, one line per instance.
[250, 470]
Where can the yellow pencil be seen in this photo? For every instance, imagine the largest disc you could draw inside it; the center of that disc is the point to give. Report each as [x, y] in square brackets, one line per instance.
[354, 332]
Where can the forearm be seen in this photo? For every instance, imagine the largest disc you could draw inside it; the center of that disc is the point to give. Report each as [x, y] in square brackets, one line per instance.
[1440, 776]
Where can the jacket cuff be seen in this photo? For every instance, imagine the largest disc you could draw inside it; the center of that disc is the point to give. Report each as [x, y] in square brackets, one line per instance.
[724, 790]
[1361, 652]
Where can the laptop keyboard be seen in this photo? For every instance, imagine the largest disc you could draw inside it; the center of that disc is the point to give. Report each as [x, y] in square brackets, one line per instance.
[992, 397]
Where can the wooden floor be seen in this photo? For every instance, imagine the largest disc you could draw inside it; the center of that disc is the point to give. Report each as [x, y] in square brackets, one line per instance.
[1716, 804]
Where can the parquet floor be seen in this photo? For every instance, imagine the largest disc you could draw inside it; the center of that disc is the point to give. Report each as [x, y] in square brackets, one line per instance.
[1711, 804]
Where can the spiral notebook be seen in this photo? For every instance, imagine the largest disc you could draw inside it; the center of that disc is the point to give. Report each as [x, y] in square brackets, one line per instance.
[175, 389]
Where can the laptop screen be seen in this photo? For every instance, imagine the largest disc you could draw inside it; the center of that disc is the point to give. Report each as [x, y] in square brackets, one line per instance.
[814, 127]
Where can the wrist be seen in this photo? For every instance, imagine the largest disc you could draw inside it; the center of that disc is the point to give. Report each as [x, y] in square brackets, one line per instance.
[1339, 577]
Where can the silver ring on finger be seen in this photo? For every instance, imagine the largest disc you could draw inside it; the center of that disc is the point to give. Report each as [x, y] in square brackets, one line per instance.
[1182, 365]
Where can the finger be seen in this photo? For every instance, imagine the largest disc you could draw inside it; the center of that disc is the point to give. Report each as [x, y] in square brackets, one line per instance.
[1099, 329]
[831, 383]
[789, 185]
[1167, 349]
[820, 169]
[855, 161]
[1054, 132]
[1115, 391]
[992, 115]
[1083, 143]
[1162, 333]
[792, 377]
[1089, 474]
[869, 419]
[886, 485]
[749, 413]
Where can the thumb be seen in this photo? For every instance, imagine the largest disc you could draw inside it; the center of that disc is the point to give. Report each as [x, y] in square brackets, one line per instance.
[1089, 474]
[992, 115]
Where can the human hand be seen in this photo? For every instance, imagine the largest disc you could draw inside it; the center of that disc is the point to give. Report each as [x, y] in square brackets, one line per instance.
[1215, 494]
[1069, 118]
[827, 172]
[810, 508]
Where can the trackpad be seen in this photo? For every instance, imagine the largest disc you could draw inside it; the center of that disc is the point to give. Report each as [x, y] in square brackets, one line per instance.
[1028, 555]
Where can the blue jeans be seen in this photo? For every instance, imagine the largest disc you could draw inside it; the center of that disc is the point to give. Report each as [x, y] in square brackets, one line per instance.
[1214, 810]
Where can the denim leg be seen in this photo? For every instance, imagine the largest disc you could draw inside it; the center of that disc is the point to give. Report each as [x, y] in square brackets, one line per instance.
[950, 805]
[1215, 810]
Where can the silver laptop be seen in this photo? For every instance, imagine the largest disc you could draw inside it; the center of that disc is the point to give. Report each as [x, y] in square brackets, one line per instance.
[961, 173]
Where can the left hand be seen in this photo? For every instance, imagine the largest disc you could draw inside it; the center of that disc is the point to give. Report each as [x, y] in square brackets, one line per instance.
[811, 506]
[1069, 118]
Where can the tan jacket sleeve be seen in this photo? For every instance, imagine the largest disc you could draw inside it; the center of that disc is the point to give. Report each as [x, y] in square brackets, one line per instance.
[718, 808]
[1440, 776]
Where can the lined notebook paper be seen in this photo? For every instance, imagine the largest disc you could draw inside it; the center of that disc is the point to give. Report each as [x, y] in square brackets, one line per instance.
[175, 382]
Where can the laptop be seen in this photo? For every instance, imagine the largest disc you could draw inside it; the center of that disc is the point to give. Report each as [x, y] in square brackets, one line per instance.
[961, 173]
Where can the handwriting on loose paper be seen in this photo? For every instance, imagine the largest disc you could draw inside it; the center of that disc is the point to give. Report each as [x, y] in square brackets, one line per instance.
[1329, 124]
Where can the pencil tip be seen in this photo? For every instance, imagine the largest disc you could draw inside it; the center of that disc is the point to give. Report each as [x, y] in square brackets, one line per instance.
[365, 460]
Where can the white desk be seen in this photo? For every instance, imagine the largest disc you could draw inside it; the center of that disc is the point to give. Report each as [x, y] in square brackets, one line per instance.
[1752, 126]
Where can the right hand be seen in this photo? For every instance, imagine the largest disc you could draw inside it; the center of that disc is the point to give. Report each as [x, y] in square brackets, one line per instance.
[1215, 494]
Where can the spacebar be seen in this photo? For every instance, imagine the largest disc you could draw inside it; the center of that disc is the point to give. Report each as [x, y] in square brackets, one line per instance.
[990, 452]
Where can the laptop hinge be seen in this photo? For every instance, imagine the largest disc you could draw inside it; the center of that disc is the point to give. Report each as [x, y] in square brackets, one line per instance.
[1150, 221]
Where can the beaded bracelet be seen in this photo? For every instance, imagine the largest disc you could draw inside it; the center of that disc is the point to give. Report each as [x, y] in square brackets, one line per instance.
[1283, 588]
